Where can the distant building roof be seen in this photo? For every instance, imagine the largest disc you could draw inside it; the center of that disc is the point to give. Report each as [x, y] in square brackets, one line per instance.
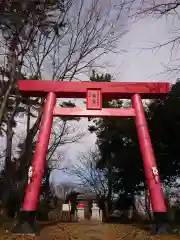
[86, 196]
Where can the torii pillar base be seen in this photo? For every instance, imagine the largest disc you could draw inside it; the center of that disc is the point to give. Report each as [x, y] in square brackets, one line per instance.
[161, 224]
[26, 225]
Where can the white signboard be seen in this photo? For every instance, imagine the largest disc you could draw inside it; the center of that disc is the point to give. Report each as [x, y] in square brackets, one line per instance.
[66, 207]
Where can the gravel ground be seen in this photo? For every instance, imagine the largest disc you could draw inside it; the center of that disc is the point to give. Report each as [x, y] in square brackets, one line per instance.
[92, 231]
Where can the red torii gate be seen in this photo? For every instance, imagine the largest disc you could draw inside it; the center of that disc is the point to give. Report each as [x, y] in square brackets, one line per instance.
[94, 92]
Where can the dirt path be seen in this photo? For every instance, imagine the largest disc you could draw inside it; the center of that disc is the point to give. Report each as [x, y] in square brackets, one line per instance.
[90, 231]
[79, 231]
[96, 231]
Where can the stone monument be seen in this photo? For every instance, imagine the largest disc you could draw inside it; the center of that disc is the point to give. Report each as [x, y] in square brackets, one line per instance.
[96, 212]
[80, 211]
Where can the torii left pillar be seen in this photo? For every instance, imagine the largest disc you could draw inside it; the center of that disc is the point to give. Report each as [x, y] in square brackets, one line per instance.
[26, 223]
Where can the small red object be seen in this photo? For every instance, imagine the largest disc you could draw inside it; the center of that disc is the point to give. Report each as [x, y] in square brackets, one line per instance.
[81, 205]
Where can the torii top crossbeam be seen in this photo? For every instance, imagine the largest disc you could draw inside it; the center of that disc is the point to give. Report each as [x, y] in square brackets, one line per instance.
[113, 90]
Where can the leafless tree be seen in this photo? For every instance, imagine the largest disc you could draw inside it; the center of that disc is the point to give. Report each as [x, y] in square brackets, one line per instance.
[20, 23]
[89, 175]
[169, 11]
[64, 132]
[62, 190]
[91, 31]
[68, 42]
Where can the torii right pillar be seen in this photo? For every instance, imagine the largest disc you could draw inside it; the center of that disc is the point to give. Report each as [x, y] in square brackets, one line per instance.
[150, 167]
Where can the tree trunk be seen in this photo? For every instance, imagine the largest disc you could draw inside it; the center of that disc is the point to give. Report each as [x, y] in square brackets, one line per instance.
[46, 192]
[109, 196]
[12, 80]
[134, 210]
[8, 169]
[5, 100]
[147, 204]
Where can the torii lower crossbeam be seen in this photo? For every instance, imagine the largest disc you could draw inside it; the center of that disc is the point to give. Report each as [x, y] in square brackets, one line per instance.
[105, 112]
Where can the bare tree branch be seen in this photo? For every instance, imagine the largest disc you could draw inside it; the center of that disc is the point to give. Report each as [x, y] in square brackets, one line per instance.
[89, 175]
[160, 9]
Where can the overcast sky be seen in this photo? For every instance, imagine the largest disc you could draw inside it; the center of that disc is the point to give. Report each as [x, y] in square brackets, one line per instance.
[135, 64]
